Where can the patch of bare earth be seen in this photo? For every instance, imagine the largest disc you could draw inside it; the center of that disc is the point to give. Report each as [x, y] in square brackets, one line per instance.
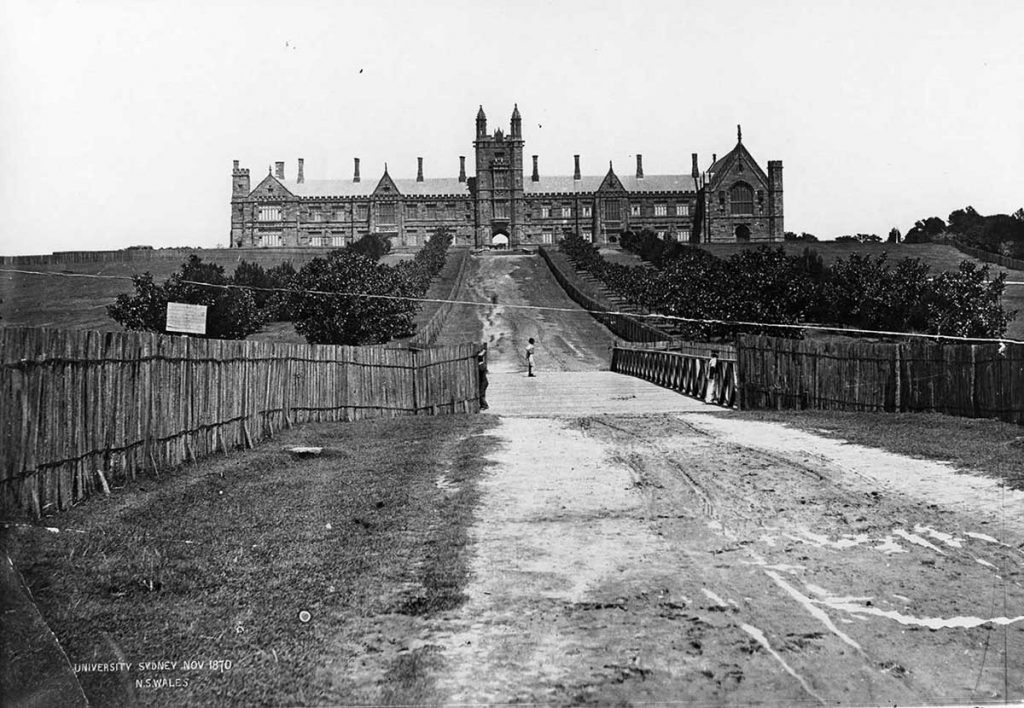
[660, 558]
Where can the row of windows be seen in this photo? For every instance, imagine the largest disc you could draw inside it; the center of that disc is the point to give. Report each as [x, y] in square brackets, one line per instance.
[613, 210]
[387, 212]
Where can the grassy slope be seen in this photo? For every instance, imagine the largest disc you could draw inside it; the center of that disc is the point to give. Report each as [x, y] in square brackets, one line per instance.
[80, 303]
[363, 538]
[990, 447]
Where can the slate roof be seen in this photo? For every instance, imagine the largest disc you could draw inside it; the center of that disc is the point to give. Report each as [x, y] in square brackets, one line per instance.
[451, 186]
[440, 186]
[589, 184]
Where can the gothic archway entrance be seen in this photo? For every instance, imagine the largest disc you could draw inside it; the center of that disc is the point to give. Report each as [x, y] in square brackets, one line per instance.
[499, 240]
[742, 232]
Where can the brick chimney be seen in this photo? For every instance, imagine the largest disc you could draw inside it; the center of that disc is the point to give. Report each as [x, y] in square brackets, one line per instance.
[355, 177]
[419, 169]
[695, 171]
[462, 168]
[576, 171]
[301, 177]
[279, 170]
[639, 166]
[535, 177]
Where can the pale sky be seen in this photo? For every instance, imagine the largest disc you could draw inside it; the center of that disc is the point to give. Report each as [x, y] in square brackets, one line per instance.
[119, 120]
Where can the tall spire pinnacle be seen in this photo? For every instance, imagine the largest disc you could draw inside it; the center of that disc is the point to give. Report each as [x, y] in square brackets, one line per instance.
[517, 123]
[739, 134]
[481, 123]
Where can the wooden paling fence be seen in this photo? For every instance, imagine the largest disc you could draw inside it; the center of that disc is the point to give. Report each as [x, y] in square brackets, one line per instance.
[85, 410]
[150, 254]
[974, 380]
[989, 257]
[629, 328]
[684, 370]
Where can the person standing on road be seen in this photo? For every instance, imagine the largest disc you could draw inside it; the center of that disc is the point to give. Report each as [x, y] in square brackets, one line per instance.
[481, 369]
[713, 367]
[529, 358]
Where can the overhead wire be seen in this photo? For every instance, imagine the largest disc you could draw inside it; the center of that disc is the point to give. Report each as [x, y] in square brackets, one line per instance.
[549, 308]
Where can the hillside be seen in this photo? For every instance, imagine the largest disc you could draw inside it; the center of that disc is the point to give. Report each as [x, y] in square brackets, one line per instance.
[61, 300]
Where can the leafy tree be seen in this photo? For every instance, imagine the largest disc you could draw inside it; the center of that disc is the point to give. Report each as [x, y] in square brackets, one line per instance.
[1019, 214]
[966, 303]
[336, 315]
[373, 246]
[894, 236]
[231, 313]
[802, 236]
[925, 230]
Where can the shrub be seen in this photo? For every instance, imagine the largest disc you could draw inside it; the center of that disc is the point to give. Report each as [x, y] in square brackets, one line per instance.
[328, 318]
[232, 313]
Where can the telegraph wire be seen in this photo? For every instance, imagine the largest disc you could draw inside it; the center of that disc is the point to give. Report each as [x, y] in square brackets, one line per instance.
[546, 308]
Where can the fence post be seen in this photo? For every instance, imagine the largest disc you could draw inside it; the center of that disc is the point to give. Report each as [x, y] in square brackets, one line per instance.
[415, 385]
[738, 375]
[898, 406]
[974, 381]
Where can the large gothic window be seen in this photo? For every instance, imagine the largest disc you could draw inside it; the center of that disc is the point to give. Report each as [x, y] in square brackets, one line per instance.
[741, 198]
[386, 213]
[612, 210]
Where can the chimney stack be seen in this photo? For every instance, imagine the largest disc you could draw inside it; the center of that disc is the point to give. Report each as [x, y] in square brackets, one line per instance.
[639, 166]
[419, 169]
[576, 172]
[355, 177]
[236, 165]
[279, 170]
[535, 177]
[695, 171]
[302, 177]
[714, 157]
[462, 168]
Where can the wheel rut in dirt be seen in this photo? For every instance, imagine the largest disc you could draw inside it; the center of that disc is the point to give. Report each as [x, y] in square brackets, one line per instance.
[635, 558]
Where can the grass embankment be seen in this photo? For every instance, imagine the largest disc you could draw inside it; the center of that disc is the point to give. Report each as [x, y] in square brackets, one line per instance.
[61, 300]
[216, 562]
[991, 447]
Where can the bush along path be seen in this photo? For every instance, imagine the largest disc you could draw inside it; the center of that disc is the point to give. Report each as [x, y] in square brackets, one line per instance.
[766, 285]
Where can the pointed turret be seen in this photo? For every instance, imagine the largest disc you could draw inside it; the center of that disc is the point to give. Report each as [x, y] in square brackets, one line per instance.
[739, 134]
[481, 123]
[517, 122]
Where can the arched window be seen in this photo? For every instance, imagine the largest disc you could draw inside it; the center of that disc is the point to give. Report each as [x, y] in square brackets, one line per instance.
[741, 198]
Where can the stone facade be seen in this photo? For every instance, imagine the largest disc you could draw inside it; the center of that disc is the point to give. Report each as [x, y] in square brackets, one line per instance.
[502, 206]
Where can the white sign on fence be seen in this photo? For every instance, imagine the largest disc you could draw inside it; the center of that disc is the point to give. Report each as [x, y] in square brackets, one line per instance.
[186, 318]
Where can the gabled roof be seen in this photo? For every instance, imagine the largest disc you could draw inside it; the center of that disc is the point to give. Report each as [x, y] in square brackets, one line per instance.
[611, 182]
[385, 185]
[270, 186]
[723, 166]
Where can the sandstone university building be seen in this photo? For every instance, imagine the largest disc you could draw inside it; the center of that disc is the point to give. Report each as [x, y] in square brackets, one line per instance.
[501, 205]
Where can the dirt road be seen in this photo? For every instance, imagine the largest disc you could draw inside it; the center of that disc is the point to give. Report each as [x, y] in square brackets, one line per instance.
[697, 558]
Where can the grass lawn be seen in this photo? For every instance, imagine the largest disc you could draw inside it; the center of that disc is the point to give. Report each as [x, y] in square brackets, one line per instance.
[992, 447]
[218, 561]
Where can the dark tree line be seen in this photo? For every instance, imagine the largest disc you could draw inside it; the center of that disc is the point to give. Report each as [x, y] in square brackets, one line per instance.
[766, 285]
